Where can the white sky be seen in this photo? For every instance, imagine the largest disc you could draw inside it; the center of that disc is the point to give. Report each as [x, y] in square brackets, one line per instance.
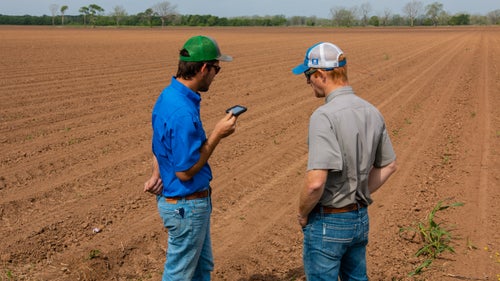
[232, 8]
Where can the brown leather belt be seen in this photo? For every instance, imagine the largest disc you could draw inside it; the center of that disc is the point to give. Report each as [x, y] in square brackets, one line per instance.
[330, 210]
[197, 195]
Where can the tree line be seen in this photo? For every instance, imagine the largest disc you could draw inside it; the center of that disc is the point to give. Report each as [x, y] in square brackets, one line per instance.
[414, 13]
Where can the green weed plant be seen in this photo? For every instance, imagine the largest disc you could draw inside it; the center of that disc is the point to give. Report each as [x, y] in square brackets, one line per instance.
[94, 254]
[435, 236]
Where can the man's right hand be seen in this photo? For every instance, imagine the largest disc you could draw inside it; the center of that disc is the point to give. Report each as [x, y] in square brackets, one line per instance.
[223, 128]
[154, 185]
[226, 126]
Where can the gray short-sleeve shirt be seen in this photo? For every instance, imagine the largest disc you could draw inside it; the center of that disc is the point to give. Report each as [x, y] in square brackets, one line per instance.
[347, 136]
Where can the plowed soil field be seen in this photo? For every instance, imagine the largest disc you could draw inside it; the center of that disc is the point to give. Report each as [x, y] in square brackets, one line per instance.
[75, 149]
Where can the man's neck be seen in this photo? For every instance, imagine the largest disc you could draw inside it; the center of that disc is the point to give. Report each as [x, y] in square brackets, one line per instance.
[191, 84]
[334, 86]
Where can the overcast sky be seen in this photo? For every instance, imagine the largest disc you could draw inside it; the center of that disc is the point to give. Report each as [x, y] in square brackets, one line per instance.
[233, 8]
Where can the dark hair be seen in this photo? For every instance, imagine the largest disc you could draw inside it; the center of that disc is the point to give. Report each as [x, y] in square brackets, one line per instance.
[188, 69]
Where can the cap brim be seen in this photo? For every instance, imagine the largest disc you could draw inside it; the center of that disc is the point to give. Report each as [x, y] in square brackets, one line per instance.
[299, 69]
[225, 58]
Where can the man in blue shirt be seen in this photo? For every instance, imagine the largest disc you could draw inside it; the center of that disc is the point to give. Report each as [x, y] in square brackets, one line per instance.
[181, 173]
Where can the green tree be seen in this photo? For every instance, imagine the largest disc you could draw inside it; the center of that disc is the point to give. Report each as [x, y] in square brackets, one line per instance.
[478, 20]
[444, 18]
[434, 10]
[94, 11]
[397, 20]
[460, 19]
[374, 20]
[280, 20]
[342, 16]
[84, 11]
[63, 10]
[297, 20]
[310, 21]
[148, 16]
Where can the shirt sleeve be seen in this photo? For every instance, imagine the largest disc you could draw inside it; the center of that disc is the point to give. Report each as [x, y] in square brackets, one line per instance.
[187, 138]
[324, 148]
[385, 152]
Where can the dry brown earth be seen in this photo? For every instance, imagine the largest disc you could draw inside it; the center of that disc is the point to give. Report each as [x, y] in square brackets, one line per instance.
[75, 134]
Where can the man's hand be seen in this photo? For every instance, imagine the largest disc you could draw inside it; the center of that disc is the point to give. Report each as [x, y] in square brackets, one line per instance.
[378, 176]
[302, 220]
[225, 126]
[154, 185]
[311, 193]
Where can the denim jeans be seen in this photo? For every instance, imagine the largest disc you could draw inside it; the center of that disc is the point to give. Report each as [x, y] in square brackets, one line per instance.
[335, 246]
[189, 251]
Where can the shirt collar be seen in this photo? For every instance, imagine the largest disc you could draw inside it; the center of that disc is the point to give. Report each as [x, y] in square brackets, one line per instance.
[337, 92]
[185, 91]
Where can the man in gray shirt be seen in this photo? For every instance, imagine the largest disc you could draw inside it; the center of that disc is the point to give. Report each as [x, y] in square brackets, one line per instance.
[350, 157]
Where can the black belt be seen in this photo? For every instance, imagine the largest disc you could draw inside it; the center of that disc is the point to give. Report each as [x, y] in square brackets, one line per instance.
[345, 209]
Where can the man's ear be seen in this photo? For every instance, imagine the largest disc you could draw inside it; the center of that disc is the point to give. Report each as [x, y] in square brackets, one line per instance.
[322, 75]
[204, 71]
[204, 68]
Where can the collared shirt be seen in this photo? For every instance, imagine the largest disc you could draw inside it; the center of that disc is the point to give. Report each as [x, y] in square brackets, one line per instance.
[178, 135]
[347, 136]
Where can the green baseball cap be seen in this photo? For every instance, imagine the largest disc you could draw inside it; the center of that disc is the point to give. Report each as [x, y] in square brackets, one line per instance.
[203, 48]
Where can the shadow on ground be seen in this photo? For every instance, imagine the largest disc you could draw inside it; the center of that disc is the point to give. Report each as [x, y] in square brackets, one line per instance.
[292, 275]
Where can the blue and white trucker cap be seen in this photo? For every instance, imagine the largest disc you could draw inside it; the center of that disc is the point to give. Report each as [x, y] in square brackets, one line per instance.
[321, 55]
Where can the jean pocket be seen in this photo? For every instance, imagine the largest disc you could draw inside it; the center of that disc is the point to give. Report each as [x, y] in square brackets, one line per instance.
[336, 235]
[175, 224]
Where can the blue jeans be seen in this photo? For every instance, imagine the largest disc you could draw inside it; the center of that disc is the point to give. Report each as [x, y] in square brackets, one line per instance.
[189, 252]
[335, 246]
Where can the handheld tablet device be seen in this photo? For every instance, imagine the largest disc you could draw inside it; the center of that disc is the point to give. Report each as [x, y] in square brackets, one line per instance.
[236, 110]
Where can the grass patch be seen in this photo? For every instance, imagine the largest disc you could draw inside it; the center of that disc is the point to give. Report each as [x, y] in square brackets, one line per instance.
[8, 274]
[75, 141]
[94, 254]
[446, 158]
[435, 237]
